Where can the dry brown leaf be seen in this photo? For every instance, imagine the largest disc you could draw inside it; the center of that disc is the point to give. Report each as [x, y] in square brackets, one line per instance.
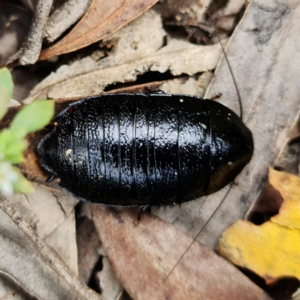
[64, 17]
[143, 254]
[88, 245]
[27, 261]
[102, 19]
[32, 45]
[56, 229]
[136, 51]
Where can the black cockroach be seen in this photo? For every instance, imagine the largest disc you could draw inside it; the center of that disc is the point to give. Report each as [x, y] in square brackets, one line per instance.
[139, 149]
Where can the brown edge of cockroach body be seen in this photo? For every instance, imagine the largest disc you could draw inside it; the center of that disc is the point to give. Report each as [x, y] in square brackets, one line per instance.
[30, 167]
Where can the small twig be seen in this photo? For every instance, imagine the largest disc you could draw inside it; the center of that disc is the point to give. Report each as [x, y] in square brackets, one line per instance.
[64, 17]
[30, 51]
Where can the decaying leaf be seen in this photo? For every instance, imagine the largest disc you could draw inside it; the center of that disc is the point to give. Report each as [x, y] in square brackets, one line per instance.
[135, 52]
[102, 19]
[94, 266]
[30, 50]
[60, 222]
[88, 243]
[143, 254]
[271, 250]
[27, 225]
[65, 16]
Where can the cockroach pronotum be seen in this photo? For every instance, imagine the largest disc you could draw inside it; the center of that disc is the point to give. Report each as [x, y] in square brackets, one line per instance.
[139, 149]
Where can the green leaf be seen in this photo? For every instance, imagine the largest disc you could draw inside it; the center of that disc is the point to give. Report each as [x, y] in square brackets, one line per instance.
[12, 145]
[22, 185]
[14, 151]
[12, 179]
[6, 90]
[33, 116]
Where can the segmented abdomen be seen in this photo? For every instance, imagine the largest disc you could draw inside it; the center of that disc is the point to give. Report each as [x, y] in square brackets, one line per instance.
[124, 149]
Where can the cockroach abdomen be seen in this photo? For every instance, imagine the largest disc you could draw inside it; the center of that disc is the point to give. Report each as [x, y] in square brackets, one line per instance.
[156, 149]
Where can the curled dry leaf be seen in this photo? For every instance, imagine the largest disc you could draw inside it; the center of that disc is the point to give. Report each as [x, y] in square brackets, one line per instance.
[143, 254]
[30, 50]
[64, 17]
[102, 19]
[271, 250]
[93, 83]
[135, 51]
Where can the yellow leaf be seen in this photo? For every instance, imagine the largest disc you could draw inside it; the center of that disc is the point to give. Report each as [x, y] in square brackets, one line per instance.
[271, 250]
[289, 187]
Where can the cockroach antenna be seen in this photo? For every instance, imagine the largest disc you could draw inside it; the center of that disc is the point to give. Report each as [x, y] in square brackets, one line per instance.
[231, 184]
[233, 78]
[199, 232]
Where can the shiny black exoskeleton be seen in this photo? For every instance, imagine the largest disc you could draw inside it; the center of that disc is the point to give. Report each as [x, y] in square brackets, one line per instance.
[136, 149]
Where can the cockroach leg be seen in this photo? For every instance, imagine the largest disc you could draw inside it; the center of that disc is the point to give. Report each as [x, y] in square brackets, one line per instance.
[143, 209]
[50, 178]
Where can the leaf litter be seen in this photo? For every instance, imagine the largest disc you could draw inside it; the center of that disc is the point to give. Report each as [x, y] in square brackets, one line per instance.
[88, 64]
[135, 52]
